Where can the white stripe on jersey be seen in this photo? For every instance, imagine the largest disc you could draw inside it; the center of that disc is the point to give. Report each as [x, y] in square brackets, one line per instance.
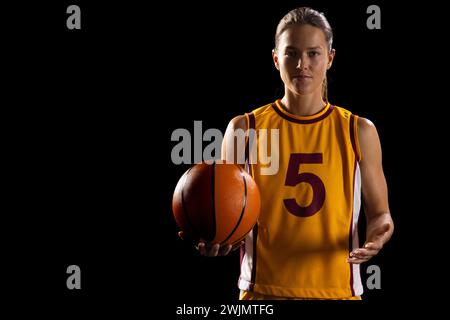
[247, 264]
[357, 285]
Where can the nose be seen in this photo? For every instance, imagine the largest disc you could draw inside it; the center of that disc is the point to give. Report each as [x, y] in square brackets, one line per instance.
[302, 64]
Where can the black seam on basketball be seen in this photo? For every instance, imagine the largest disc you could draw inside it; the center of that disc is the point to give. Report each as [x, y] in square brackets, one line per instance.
[243, 208]
[245, 234]
[185, 211]
[213, 200]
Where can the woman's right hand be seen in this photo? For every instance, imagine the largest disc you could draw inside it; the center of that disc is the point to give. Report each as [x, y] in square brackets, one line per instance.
[213, 249]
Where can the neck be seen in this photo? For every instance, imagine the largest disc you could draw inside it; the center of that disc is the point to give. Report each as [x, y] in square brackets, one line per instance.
[303, 105]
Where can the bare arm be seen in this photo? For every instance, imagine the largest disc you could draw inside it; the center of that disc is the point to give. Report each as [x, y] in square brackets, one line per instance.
[375, 196]
[229, 146]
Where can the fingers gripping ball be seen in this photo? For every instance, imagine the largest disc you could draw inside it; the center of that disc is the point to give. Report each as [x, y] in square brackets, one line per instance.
[219, 203]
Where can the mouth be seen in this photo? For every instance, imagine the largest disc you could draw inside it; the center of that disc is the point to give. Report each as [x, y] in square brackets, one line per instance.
[302, 77]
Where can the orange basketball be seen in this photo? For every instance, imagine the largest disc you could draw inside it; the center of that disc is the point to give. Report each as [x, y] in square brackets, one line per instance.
[216, 202]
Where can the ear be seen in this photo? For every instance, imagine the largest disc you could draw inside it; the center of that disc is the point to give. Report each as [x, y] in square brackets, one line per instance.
[275, 59]
[331, 58]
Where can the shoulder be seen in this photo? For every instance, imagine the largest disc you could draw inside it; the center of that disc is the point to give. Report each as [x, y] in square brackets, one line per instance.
[366, 129]
[369, 142]
[364, 125]
[267, 108]
[238, 122]
[241, 121]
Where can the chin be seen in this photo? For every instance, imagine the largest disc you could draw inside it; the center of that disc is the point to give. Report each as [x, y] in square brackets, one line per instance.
[302, 91]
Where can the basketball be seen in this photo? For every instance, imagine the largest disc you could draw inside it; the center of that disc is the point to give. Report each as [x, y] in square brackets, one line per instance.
[216, 202]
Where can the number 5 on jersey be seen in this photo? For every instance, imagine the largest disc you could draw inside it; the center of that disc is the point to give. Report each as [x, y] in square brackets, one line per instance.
[293, 178]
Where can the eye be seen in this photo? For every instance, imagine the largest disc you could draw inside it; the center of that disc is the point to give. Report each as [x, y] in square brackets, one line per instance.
[313, 53]
[291, 53]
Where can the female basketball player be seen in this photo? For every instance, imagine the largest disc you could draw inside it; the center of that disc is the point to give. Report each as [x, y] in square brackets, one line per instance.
[305, 244]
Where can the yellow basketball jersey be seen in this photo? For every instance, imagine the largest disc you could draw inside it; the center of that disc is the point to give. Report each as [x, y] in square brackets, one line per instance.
[309, 206]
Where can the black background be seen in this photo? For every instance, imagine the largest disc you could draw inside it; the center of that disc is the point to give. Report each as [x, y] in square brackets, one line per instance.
[89, 114]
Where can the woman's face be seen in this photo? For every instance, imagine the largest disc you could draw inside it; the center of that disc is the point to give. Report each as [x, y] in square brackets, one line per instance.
[302, 57]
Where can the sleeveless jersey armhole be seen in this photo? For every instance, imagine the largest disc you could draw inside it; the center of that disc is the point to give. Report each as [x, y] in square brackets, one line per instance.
[354, 132]
[250, 124]
[247, 125]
